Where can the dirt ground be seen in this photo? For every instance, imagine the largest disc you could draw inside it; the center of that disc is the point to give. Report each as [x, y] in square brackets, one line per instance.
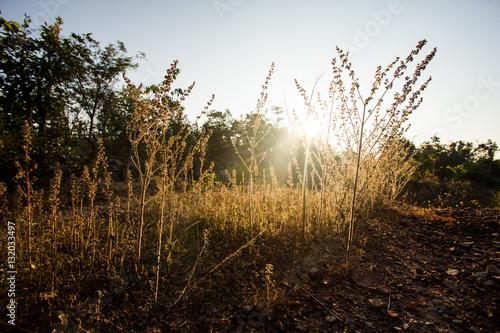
[413, 270]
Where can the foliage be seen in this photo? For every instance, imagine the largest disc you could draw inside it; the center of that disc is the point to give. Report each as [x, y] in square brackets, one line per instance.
[458, 161]
[49, 80]
[92, 87]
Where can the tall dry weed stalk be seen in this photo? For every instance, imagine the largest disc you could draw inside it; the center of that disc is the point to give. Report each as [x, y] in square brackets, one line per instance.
[55, 185]
[252, 138]
[25, 187]
[143, 130]
[99, 168]
[161, 155]
[365, 128]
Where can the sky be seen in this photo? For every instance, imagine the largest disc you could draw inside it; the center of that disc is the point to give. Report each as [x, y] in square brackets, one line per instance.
[227, 47]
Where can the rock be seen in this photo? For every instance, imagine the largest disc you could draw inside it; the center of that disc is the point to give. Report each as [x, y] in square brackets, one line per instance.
[330, 319]
[450, 285]
[382, 290]
[315, 274]
[453, 287]
[247, 309]
[59, 321]
[58, 317]
[436, 303]
[492, 270]
[488, 283]
[452, 271]
[376, 303]
[369, 324]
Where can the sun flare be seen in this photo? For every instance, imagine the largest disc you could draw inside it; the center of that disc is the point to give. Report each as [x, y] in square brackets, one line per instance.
[311, 128]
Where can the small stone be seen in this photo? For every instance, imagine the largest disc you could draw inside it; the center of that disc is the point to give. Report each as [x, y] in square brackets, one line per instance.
[369, 324]
[315, 274]
[382, 290]
[453, 287]
[376, 303]
[450, 285]
[59, 317]
[457, 321]
[247, 309]
[330, 319]
[488, 283]
[482, 275]
[435, 303]
[492, 270]
[452, 271]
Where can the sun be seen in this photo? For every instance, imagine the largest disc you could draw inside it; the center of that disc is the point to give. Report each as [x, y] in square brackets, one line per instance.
[311, 128]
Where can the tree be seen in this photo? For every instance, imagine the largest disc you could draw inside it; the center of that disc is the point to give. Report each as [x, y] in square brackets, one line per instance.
[49, 80]
[33, 74]
[219, 146]
[457, 161]
[93, 86]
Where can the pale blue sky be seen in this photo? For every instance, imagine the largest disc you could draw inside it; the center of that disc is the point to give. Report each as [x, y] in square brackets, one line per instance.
[227, 47]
